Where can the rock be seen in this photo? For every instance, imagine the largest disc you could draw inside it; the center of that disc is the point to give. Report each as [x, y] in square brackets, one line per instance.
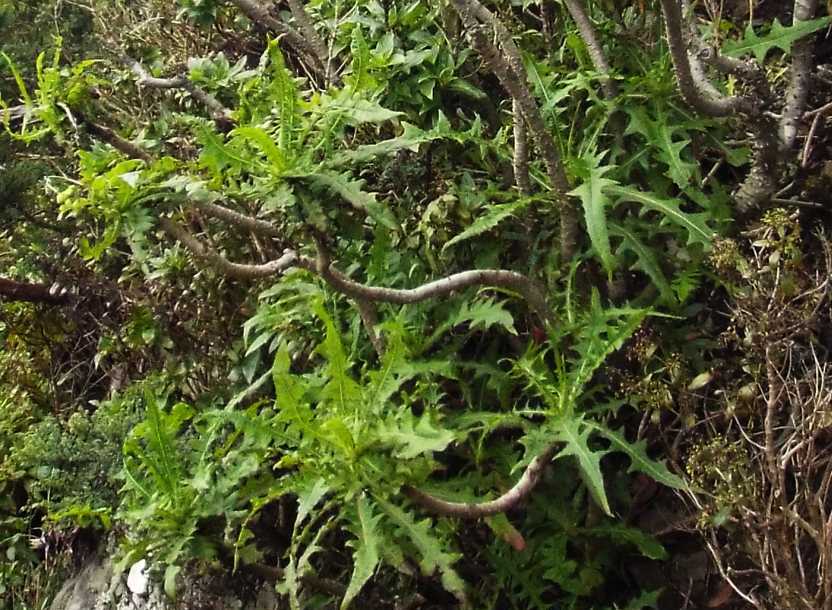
[96, 586]
[137, 578]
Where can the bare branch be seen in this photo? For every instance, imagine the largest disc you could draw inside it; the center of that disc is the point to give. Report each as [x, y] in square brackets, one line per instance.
[475, 510]
[308, 29]
[521, 152]
[593, 46]
[237, 219]
[144, 79]
[801, 70]
[215, 259]
[499, 278]
[698, 96]
[116, 141]
[260, 15]
[512, 76]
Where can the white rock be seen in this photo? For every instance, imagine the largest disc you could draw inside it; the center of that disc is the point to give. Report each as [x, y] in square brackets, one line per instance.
[137, 578]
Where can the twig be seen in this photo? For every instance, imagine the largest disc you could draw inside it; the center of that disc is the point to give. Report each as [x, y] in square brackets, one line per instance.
[694, 92]
[236, 270]
[807, 146]
[475, 510]
[242, 221]
[116, 141]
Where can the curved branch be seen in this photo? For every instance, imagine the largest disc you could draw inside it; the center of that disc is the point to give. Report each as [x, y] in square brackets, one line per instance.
[696, 94]
[239, 271]
[116, 141]
[237, 219]
[338, 281]
[439, 288]
[475, 510]
[144, 79]
[801, 71]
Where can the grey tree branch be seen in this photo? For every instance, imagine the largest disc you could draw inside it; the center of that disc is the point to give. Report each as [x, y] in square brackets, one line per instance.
[237, 219]
[475, 510]
[260, 15]
[593, 46]
[695, 94]
[116, 141]
[307, 28]
[144, 79]
[509, 70]
[521, 152]
[801, 70]
[239, 271]
[499, 278]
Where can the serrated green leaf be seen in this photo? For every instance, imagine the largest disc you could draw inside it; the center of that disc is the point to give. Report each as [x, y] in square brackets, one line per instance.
[646, 259]
[694, 223]
[263, 141]
[574, 433]
[289, 393]
[412, 137]
[412, 436]
[639, 460]
[780, 36]
[432, 557]
[484, 313]
[595, 202]
[365, 557]
[494, 215]
[353, 193]
[620, 533]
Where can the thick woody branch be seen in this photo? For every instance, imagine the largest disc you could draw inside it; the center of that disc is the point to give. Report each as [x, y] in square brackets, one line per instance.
[766, 165]
[498, 278]
[116, 141]
[307, 28]
[213, 258]
[509, 70]
[801, 70]
[700, 97]
[521, 152]
[144, 79]
[593, 46]
[241, 221]
[475, 510]
[11, 290]
[261, 15]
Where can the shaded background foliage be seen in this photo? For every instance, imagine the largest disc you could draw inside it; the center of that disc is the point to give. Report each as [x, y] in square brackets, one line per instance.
[204, 416]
